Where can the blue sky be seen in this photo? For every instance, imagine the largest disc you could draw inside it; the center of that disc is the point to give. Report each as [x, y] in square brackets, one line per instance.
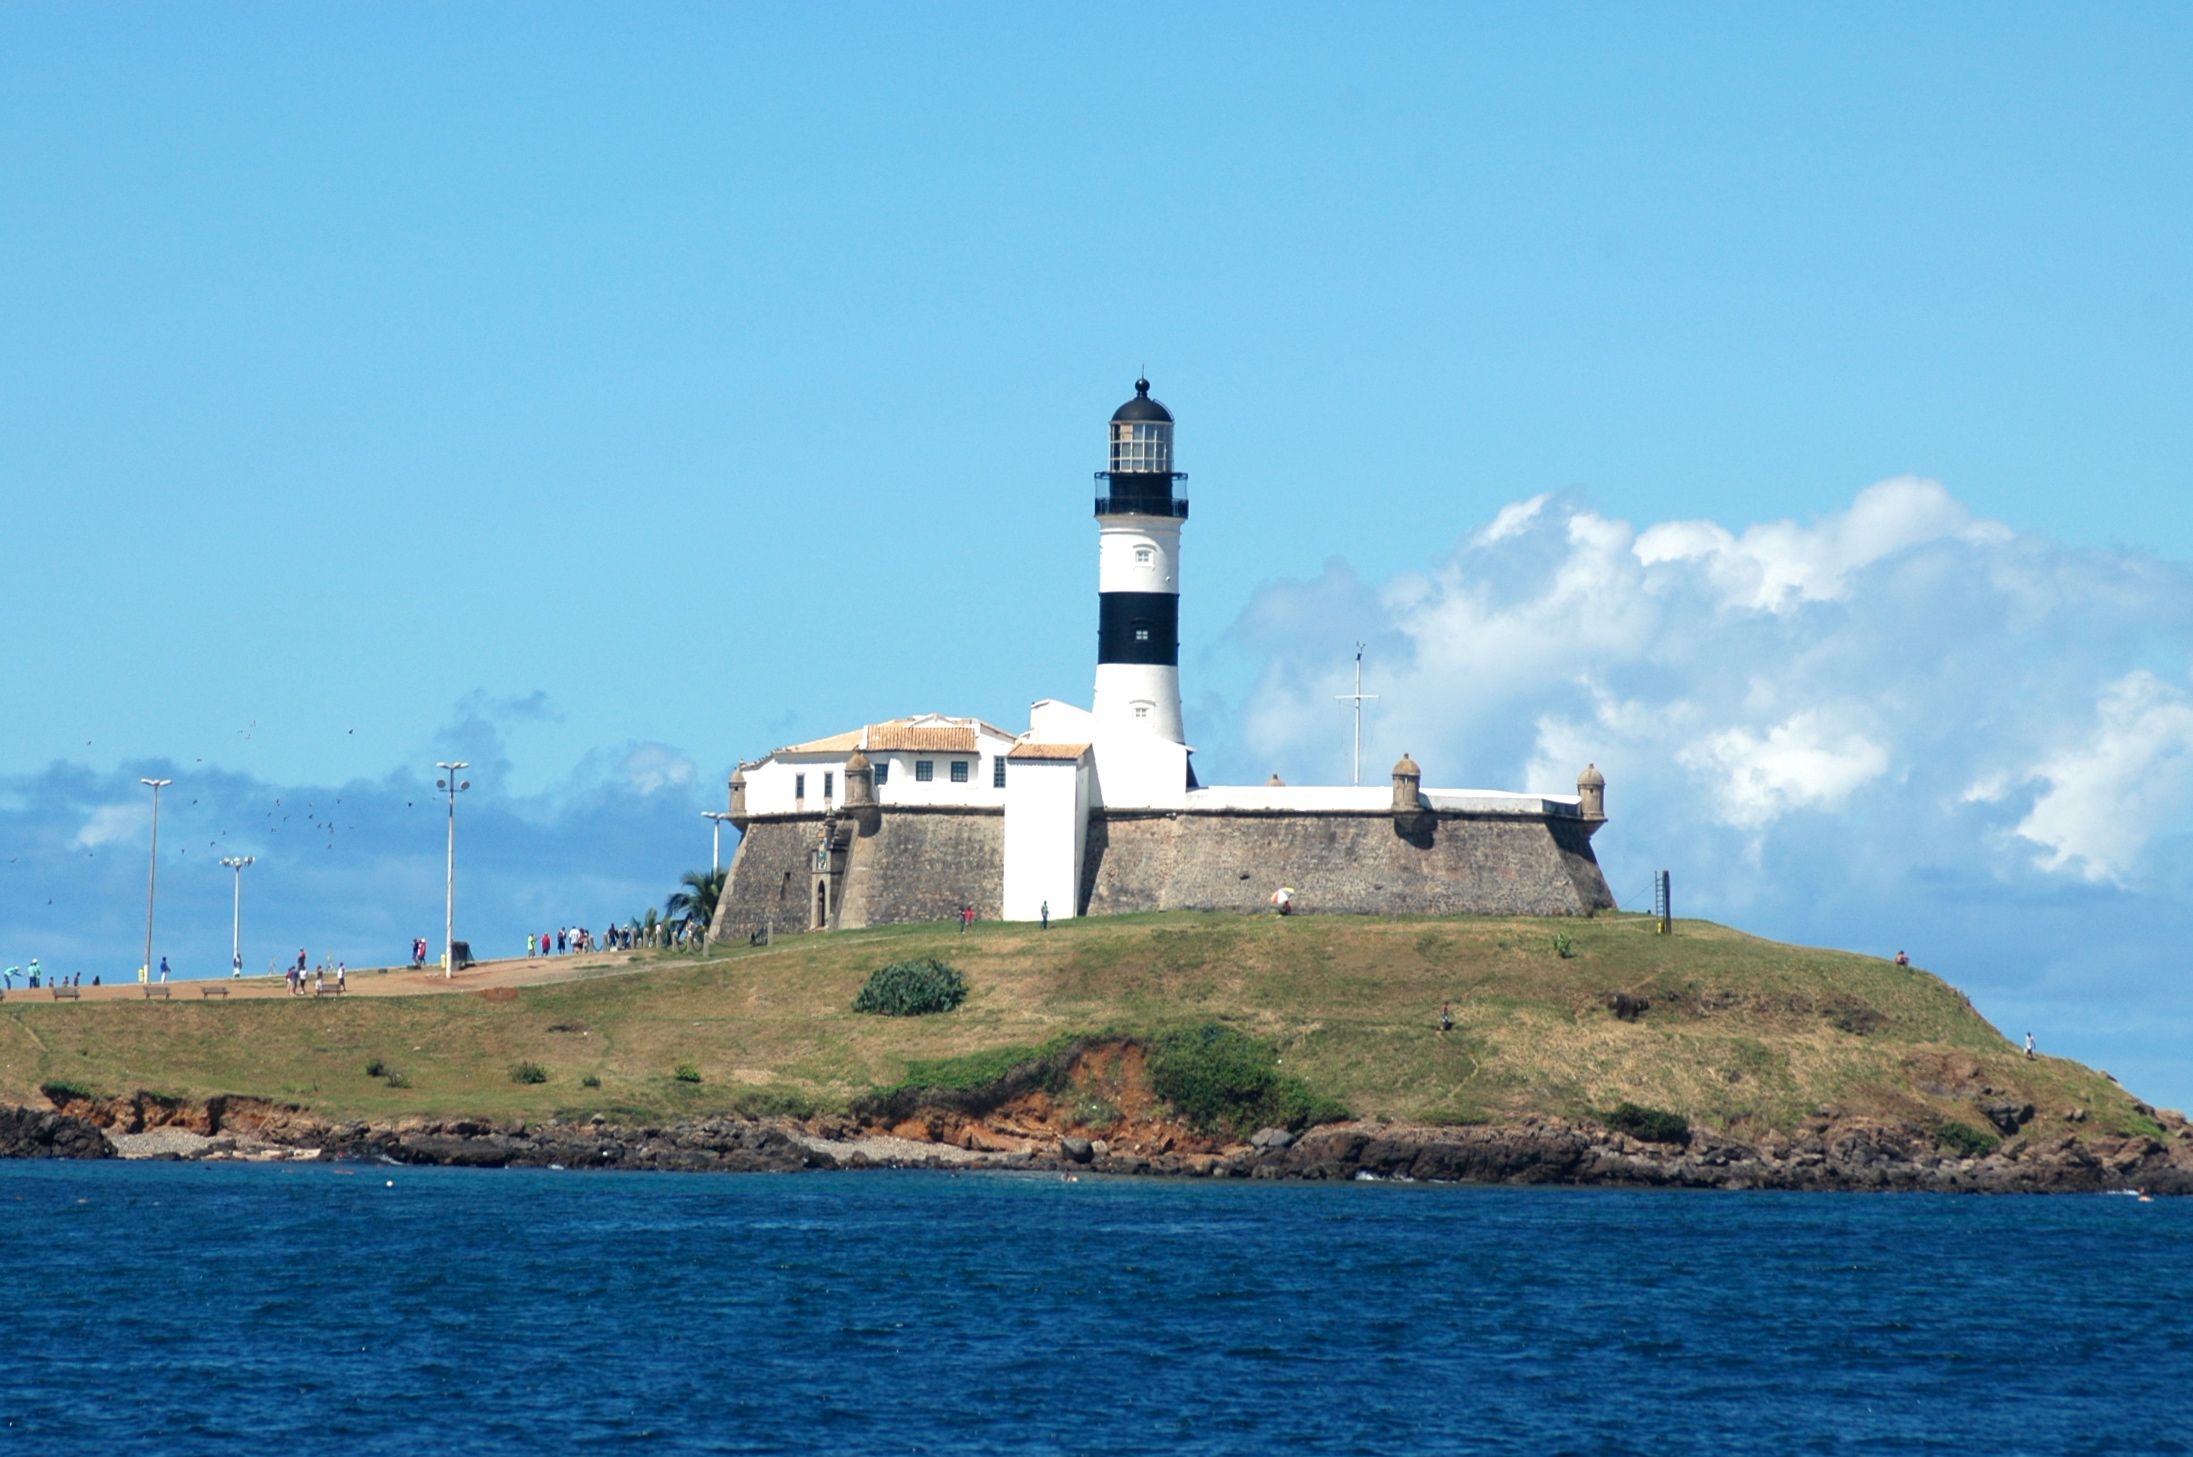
[608, 394]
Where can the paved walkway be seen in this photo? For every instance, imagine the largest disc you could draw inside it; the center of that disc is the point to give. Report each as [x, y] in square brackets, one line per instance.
[403, 981]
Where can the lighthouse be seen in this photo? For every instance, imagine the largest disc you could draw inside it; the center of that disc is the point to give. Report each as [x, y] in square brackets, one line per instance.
[1138, 583]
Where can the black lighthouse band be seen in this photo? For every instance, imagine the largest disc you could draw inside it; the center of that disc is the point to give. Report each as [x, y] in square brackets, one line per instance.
[1138, 627]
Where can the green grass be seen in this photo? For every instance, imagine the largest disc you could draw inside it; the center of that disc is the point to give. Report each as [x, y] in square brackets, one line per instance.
[1741, 1033]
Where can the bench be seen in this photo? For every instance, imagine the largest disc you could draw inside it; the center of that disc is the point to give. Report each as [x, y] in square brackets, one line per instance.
[212, 989]
[70, 992]
[328, 989]
[156, 989]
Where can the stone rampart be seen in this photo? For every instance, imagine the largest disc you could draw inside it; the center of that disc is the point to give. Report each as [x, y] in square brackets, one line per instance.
[771, 871]
[922, 864]
[1443, 864]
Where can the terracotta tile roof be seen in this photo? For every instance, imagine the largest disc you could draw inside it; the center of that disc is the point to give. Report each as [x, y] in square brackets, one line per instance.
[924, 733]
[932, 739]
[1048, 751]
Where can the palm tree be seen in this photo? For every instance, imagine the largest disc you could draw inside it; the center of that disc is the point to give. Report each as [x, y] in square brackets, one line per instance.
[694, 901]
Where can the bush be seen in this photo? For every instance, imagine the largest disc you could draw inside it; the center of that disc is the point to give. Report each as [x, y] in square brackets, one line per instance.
[528, 1072]
[1563, 947]
[1653, 1125]
[396, 1079]
[1221, 1080]
[912, 989]
[590, 1081]
[376, 1068]
[1964, 1140]
[687, 1073]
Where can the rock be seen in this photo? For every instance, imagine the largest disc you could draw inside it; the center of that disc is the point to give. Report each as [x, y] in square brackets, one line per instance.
[1080, 1150]
[28, 1133]
[2007, 1117]
[1100, 1147]
[1271, 1138]
[1627, 1007]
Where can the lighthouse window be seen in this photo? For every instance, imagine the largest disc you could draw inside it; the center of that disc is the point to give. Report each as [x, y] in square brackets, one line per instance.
[924, 770]
[997, 772]
[1142, 448]
[883, 772]
[1142, 710]
[959, 771]
[1142, 634]
[1142, 556]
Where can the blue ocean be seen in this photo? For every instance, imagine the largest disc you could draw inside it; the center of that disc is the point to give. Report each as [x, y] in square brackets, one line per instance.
[204, 1308]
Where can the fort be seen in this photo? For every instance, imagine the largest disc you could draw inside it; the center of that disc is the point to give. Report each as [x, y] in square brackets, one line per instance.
[1098, 811]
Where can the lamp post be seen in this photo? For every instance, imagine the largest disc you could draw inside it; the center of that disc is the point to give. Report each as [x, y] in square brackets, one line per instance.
[152, 876]
[236, 924]
[715, 846]
[449, 909]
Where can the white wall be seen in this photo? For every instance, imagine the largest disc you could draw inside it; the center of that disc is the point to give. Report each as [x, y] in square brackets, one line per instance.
[1046, 828]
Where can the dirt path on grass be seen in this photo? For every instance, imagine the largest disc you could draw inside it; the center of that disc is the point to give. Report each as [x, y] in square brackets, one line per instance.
[402, 981]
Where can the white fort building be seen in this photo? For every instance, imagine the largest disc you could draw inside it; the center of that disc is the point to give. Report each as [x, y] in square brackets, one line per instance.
[1097, 810]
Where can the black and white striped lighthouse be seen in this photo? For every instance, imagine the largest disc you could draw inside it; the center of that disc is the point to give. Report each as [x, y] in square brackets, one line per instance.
[1138, 577]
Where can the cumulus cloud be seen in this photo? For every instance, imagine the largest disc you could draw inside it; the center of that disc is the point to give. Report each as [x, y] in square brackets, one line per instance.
[1887, 722]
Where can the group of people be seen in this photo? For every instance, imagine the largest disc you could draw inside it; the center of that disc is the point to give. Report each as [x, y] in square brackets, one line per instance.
[563, 941]
[295, 976]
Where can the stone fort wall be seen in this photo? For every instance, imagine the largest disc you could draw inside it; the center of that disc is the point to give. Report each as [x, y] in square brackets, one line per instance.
[1362, 863]
[912, 864]
[908, 864]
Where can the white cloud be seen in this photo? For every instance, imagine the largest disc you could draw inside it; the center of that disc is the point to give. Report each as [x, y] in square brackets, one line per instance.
[113, 822]
[1798, 763]
[2113, 791]
[1777, 566]
[1935, 683]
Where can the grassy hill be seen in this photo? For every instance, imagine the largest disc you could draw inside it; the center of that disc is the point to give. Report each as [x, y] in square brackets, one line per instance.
[1739, 1031]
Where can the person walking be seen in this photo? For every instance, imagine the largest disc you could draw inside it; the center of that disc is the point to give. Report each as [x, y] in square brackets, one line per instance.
[1446, 1016]
[2029, 1052]
[342, 976]
[1046, 915]
[163, 969]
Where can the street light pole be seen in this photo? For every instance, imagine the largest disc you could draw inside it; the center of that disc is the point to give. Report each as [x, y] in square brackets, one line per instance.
[715, 846]
[236, 925]
[152, 876]
[449, 908]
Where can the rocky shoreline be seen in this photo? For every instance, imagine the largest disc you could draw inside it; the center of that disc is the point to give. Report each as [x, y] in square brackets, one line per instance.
[1825, 1153]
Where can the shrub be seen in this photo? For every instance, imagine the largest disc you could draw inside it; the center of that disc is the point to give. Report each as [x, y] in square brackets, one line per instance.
[528, 1072]
[590, 1081]
[65, 1092]
[376, 1068]
[1219, 1079]
[1653, 1125]
[1563, 947]
[396, 1079]
[1964, 1140]
[687, 1073]
[912, 989]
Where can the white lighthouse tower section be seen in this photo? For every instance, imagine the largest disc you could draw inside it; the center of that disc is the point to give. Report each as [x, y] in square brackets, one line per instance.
[1139, 701]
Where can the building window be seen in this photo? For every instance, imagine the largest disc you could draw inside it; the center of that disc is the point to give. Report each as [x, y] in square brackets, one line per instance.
[799, 786]
[1142, 556]
[1142, 710]
[959, 771]
[997, 772]
[829, 784]
[924, 770]
[883, 772]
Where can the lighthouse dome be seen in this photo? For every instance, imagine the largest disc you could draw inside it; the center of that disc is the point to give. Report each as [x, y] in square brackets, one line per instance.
[1142, 407]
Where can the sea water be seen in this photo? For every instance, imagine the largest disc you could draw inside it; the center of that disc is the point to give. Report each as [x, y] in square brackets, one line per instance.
[369, 1309]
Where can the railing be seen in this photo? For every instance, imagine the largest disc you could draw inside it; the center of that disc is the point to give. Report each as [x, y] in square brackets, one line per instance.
[1128, 506]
